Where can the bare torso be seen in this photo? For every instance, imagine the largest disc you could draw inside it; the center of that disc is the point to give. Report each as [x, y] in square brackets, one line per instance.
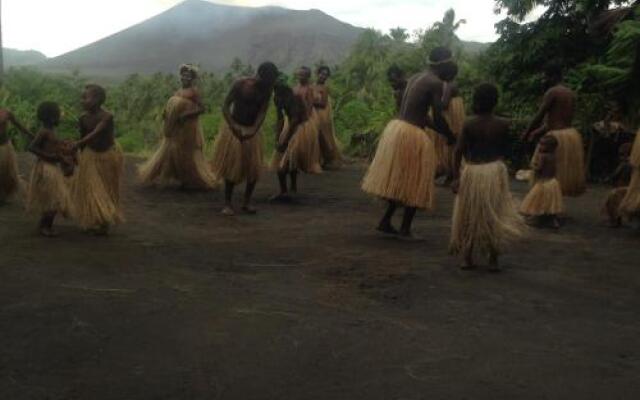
[320, 96]
[562, 107]
[105, 139]
[419, 97]
[485, 139]
[305, 93]
[248, 101]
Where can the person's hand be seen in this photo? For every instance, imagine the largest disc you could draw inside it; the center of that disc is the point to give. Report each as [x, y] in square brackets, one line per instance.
[455, 186]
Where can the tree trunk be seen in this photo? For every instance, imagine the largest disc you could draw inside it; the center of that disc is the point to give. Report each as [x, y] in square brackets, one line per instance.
[1, 49]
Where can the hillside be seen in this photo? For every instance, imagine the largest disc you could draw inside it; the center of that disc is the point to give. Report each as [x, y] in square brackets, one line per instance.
[17, 58]
[212, 35]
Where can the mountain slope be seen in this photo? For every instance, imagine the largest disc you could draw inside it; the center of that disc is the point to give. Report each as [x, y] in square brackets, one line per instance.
[212, 35]
[17, 58]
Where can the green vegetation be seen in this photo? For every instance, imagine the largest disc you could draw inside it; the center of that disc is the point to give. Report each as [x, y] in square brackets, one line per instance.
[599, 51]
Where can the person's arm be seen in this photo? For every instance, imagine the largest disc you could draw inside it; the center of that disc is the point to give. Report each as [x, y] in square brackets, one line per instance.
[198, 110]
[20, 127]
[226, 111]
[37, 147]
[440, 123]
[447, 95]
[458, 154]
[100, 127]
[547, 103]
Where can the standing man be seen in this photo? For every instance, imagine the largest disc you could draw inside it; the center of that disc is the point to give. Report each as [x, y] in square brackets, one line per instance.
[403, 169]
[329, 148]
[555, 117]
[238, 149]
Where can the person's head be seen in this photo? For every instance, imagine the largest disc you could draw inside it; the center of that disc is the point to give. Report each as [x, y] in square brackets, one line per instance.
[395, 75]
[268, 74]
[93, 97]
[485, 98]
[553, 74]
[548, 144]
[49, 114]
[324, 73]
[188, 74]
[442, 64]
[303, 75]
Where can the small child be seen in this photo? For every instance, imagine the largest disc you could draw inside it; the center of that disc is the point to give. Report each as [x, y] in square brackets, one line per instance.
[48, 189]
[620, 180]
[544, 202]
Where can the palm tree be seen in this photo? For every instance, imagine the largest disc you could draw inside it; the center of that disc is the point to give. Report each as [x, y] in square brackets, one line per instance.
[447, 28]
[399, 34]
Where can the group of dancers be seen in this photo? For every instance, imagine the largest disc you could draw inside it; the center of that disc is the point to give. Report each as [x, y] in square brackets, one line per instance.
[429, 137]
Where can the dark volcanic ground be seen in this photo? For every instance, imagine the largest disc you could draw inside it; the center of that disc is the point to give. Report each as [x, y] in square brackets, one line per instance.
[305, 301]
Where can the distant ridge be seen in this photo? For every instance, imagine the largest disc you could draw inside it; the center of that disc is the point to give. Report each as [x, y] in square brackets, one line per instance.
[18, 58]
[213, 35]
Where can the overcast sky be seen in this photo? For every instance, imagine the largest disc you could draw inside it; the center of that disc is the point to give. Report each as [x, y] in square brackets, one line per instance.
[57, 26]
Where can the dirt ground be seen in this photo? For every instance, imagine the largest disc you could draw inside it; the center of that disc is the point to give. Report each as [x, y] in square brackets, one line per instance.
[305, 301]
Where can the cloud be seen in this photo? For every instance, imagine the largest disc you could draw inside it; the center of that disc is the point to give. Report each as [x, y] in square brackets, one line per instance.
[55, 27]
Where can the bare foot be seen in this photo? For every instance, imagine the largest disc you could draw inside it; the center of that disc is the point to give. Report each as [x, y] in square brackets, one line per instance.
[281, 198]
[387, 229]
[249, 210]
[409, 237]
[228, 212]
[466, 266]
[48, 232]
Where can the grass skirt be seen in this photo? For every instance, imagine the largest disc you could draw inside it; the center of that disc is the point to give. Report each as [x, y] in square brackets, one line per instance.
[611, 206]
[9, 179]
[484, 215]
[329, 145]
[48, 190]
[634, 159]
[96, 187]
[180, 158]
[404, 166]
[630, 204]
[570, 167]
[303, 151]
[544, 198]
[237, 161]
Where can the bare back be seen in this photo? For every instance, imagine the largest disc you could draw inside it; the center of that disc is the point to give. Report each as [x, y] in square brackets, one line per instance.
[247, 101]
[419, 97]
[561, 107]
[484, 139]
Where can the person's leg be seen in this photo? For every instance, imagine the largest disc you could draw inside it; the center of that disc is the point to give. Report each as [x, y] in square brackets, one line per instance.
[46, 224]
[494, 266]
[407, 221]
[385, 223]
[294, 181]
[467, 262]
[248, 193]
[228, 195]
